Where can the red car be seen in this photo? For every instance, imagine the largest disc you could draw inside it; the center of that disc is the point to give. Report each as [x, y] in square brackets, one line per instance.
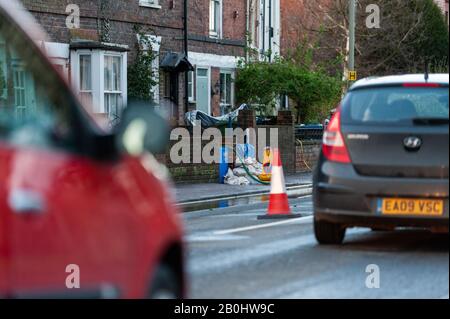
[79, 216]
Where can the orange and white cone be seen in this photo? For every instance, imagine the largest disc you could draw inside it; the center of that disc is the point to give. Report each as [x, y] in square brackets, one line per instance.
[278, 202]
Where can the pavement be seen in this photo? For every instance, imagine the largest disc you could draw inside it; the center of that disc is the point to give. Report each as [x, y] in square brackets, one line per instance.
[207, 191]
[231, 254]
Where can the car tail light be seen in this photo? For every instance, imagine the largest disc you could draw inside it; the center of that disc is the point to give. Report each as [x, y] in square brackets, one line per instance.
[421, 85]
[333, 145]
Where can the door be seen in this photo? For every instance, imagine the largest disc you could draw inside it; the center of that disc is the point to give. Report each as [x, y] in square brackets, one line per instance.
[60, 211]
[203, 90]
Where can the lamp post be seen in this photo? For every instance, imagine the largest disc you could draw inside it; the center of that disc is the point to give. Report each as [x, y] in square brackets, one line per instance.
[352, 26]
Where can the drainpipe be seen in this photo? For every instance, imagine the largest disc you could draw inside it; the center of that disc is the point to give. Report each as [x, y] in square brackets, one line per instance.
[247, 30]
[263, 27]
[186, 91]
[270, 30]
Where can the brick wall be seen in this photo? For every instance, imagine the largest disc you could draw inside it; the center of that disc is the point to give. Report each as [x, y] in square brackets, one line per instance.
[123, 15]
[190, 172]
[306, 155]
[234, 26]
[443, 5]
[293, 155]
[215, 99]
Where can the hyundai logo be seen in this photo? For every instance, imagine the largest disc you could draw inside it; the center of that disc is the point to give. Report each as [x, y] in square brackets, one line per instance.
[412, 143]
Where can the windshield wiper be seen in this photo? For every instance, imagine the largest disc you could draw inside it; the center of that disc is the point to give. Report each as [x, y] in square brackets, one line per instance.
[430, 121]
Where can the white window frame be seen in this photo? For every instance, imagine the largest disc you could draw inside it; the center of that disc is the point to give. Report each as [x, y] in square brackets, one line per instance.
[97, 70]
[191, 92]
[80, 90]
[121, 87]
[19, 88]
[215, 33]
[150, 4]
[231, 73]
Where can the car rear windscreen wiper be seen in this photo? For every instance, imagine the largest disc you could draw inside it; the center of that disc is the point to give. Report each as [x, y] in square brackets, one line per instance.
[430, 121]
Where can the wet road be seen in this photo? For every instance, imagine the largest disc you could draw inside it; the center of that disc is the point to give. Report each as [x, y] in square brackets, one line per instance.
[231, 254]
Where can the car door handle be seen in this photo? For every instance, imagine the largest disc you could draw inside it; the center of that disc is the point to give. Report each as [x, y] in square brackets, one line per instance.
[24, 201]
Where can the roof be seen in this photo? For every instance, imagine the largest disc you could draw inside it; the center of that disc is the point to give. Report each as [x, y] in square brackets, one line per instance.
[400, 79]
[176, 62]
[93, 45]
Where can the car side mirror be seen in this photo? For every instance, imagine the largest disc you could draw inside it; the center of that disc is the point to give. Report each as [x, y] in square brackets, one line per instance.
[141, 129]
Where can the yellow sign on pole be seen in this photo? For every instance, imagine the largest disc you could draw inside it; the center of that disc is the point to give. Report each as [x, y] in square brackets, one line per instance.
[352, 76]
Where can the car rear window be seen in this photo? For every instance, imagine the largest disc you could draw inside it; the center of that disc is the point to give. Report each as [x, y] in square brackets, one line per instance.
[395, 105]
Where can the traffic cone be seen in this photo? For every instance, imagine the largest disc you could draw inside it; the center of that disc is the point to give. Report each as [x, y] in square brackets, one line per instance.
[278, 202]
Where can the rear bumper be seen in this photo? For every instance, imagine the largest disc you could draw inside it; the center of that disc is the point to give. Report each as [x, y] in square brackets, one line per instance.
[364, 220]
[341, 195]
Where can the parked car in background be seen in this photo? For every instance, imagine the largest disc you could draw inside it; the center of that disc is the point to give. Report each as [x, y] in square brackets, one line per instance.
[75, 200]
[385, 158]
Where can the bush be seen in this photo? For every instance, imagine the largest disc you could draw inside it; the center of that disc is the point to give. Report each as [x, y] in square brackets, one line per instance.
[260, 84]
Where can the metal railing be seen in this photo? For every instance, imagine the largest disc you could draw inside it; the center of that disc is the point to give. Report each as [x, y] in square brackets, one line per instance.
[309, 132]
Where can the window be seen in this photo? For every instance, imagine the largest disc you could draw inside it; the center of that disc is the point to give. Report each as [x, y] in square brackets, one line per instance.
[35, 108]
[215, 18]
[191, 86]
[226, 91]
[113, 89]
[150, 3]
[86, 78]
[395, 105]
[101, 82]
[19, 93]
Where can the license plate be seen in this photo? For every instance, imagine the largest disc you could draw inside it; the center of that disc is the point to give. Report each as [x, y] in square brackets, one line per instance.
[411, 206]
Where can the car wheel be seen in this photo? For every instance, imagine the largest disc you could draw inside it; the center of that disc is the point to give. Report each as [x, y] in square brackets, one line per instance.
[329, 233]
[165, 284]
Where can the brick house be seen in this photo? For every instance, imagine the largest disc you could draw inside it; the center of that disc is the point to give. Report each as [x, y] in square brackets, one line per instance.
[96, 56]
[217, 35]
[264, 27]
[443, 5]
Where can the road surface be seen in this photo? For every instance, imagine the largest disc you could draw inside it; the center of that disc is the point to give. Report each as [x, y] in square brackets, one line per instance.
[231, 254]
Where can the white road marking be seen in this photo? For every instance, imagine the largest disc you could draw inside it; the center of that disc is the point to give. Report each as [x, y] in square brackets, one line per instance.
[228, 259]
[300, 220]
[212, 237]
[225, 260]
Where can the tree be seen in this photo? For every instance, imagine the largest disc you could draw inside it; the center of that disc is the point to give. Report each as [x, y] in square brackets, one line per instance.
[411, 33]
[141, 77]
